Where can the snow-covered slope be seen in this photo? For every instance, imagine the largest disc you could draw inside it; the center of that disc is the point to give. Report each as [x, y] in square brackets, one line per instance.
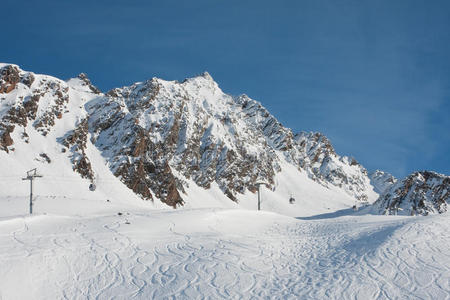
[420, 193]
[222, 254]
[381, 181]
[163, 139]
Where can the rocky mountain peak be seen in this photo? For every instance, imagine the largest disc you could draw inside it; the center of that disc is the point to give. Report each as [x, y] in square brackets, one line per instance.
[11, 75]
[82, 76]
[207, 76]
[85, 84]
[158, 137]
[201, 83]
[26, 97]
[420, 193]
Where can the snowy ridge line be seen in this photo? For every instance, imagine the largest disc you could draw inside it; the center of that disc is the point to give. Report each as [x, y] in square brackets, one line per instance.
[420, 193]
[168, 142]
[159, 138]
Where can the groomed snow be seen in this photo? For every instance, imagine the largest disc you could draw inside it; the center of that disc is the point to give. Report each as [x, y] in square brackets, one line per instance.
[219, 254]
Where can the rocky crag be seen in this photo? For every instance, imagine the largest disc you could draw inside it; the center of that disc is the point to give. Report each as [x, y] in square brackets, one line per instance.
[420, 193]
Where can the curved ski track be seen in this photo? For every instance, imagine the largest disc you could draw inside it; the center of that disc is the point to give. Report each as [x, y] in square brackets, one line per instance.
[346, 258]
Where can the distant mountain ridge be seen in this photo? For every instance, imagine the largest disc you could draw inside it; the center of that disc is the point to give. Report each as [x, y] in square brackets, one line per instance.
[158, 137]
[420, 193]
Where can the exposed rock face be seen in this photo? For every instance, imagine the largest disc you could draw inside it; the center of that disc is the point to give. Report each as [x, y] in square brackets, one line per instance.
[160, 136]
[76, 141]
[20, 95]
[87, 83]
[5, 137]
[195, 129]
[58, 92]
[9, 78]
[421, 193]
[381, 181]
[316, 155]
[44, 157]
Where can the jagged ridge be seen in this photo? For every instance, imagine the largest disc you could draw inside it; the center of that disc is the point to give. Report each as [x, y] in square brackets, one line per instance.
[157, 134]
[420, 193]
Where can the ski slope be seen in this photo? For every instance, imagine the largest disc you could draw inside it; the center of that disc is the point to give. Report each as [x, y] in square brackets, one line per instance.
[221, 253]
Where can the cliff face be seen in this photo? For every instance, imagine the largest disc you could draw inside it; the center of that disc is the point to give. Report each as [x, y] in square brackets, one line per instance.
[157, 135]
[420, 193]
[25, 99]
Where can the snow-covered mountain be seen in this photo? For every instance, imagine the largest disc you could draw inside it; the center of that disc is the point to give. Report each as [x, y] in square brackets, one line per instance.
[420, 193]
[160, 137]
[169, 142]
[381, 180]
[195, 130]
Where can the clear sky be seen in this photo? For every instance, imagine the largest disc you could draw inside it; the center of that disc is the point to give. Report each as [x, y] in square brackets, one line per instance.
[374, 76]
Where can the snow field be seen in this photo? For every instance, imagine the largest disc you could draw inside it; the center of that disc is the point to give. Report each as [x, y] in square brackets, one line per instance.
[223, 254]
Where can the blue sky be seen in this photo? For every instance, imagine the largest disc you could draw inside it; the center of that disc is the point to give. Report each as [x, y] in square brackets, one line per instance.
[374, 76]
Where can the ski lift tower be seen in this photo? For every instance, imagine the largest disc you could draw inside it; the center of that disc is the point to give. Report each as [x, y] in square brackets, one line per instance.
[31, 175]
[258, 184]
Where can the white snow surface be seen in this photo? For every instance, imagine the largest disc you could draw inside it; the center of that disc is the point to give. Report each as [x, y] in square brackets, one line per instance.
[381, 181]
[217, 253]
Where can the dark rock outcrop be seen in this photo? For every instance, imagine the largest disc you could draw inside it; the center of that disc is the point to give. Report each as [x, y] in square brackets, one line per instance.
[76, 141]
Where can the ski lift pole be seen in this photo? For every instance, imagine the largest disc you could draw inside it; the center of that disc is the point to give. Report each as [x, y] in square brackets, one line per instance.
[31, 175]
[258, 185]
[259, 197]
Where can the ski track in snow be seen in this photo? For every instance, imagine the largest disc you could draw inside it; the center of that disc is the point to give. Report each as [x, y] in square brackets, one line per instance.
[343, 258]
